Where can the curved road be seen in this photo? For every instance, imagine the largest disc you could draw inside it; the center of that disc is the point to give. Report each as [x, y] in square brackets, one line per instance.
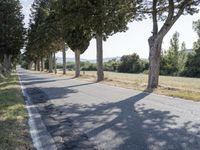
[81, 115]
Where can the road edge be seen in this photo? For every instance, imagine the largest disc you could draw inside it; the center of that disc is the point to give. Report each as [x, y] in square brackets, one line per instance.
[41, 139]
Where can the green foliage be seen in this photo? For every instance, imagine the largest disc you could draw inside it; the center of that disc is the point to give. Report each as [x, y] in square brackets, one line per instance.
[132, 64]
[11, 29]
[182, 58]
[109, 17]
[192, 67]
[88, 66]
[43, 32]
[196, 27]
[180, 7]
[73, 18]
[173, 61]
[112, 65]
[85, 66]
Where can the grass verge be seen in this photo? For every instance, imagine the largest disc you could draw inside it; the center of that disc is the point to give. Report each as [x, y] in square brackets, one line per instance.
[14, 130]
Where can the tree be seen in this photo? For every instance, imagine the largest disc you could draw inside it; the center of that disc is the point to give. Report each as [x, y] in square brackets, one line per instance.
[106, 19]
[192, 67]
[196, 27]
[64, 58]
[182, 59]
[130, 64]
[77, 34]
[168, 11]
[78, 40]
[56, 21]
[12, 34]
[169, 60]
[112, 65]
[36, 40]
[44, 38]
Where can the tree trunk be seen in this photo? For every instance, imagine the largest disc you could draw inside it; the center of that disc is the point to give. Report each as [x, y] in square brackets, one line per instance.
[38, 65]
[77, 59]
[1, 69]
[9, 64]
[50, 63]
[54, 63]
[35, 66]
[154, 62]
[30, 66]
[42, 64]
[99, 43]
[6, 66]
[64, 59]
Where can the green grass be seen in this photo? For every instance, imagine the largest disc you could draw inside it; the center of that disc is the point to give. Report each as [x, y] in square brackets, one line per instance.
[186, 88]
[14, 131]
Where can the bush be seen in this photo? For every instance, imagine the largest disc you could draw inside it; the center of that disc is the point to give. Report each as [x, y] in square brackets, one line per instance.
[132, 64]
[192, 67]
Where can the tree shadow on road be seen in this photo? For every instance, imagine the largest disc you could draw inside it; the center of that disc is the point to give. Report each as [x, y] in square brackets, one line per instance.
[128, 125]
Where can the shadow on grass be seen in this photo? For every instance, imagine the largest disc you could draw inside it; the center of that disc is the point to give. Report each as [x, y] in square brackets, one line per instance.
[5, 84]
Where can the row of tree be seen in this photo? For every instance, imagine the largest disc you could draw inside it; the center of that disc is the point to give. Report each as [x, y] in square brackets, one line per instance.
[11, 34]
[57, 23]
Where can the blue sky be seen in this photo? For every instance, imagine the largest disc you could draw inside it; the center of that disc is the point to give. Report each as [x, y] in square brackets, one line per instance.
[135, 39]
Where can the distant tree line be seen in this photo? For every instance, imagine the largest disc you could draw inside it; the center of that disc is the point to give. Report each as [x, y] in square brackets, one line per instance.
[127, 64]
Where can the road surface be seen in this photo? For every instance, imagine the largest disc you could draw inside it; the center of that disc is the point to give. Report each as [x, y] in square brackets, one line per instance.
[90, 116]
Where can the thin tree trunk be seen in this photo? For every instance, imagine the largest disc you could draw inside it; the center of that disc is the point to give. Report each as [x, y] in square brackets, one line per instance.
[4, 65]
[9, 64]
[30, 66]
[64, 59]
[50, 63]
[77, 59]
[154, 63]
[99, 43]
[1, 70]
[42, 64]
[54, 62]
[35, 66]
[38, 65]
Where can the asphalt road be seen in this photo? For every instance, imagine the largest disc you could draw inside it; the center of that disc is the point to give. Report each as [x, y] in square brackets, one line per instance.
[81, 115]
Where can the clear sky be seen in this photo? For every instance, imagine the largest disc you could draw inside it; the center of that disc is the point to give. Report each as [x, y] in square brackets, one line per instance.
[135, 39]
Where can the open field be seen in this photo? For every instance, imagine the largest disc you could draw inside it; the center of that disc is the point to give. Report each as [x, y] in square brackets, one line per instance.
[14, 132]
[187, 88]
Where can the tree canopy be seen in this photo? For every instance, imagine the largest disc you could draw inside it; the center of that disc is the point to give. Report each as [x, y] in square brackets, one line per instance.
[12, 32]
